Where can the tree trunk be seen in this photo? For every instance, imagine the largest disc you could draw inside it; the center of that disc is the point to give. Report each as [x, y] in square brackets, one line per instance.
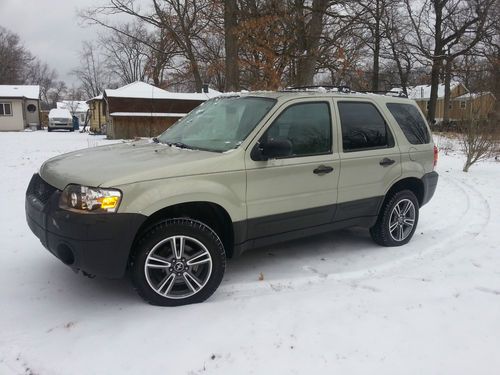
[376, 48]
[431, 112]
[306, 66]
[447, 91]
[232, 71]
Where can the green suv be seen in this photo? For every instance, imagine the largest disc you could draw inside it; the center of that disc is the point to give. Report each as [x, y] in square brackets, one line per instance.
[238, 172]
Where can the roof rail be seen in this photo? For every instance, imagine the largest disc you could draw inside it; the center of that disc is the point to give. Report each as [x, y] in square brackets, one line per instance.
[344, 89]
[399, 94]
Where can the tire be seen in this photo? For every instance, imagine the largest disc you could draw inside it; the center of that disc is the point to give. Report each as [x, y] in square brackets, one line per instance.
[49, 130]
[190, 272]
[394, 224]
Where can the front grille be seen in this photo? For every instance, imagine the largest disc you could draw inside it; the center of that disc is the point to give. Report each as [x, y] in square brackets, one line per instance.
[41, 190]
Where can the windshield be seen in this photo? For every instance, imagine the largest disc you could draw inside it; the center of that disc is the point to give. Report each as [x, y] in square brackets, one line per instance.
[219, 124]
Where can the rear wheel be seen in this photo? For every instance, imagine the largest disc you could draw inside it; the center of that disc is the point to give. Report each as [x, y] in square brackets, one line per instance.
[397, 220]
[178, 262]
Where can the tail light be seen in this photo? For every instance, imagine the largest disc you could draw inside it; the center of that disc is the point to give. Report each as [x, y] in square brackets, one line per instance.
[436, 155]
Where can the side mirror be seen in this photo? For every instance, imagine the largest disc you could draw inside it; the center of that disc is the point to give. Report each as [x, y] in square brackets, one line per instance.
[271, 149]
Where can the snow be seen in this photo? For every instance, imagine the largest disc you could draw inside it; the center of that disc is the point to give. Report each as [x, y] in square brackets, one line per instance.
[59, 113]
[146, 91]
[20, 91]
[424, 91]
[473, 95]
[147, 114]
[330, 304]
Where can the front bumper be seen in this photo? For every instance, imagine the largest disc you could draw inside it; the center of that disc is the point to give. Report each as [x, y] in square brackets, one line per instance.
[430, 181]
[98, 244]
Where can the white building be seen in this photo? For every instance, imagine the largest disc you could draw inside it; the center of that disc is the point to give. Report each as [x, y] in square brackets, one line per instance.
[77, 108]
[19, 107]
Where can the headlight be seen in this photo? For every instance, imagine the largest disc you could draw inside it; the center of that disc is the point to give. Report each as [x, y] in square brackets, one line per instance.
[89, 199]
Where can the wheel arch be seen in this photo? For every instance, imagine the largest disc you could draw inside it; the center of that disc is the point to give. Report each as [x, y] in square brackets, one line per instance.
[212, 214]
[413, 184]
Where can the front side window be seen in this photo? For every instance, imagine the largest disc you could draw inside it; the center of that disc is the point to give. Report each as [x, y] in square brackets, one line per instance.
[411, 122]
[219, 124]
[5, 109]
[307, 126]
[363, 127]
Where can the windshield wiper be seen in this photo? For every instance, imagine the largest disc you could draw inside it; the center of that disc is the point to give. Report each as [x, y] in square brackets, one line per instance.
[180, 145]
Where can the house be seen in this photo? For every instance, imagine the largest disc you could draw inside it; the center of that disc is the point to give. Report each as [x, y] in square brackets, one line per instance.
[462, 103]
[142, 110]
[19, 107]
[472, 105]
[98, 114]
[77, 108]
[422, 95]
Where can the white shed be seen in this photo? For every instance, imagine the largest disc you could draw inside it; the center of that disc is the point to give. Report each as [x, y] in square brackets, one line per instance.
[19, 107]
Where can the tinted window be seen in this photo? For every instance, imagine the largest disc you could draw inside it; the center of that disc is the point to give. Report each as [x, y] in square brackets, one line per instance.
[362, 126]
[307, 126]
[411, 122]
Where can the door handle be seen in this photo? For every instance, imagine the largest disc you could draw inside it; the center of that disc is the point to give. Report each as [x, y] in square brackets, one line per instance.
[323, 169]
[386, 161]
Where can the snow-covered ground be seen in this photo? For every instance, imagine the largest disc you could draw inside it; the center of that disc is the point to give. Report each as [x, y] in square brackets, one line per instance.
[332, 304]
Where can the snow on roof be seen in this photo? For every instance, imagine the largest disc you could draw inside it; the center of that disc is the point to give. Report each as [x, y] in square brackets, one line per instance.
[147, 114]
[73, 105]
[20, 91]
[59, 113]
[143, 90]
[98, 97]
[424, 91]
[472, 95]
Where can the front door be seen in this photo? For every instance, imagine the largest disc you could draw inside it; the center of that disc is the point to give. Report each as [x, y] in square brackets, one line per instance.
[298, 191]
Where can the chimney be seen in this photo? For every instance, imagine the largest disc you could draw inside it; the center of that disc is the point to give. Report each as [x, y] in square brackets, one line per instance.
[205, 88]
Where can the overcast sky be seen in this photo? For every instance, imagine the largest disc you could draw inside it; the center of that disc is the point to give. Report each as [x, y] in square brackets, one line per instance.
[49, 29]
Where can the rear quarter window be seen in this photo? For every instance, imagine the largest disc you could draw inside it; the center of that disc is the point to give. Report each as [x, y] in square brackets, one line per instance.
[411, 122]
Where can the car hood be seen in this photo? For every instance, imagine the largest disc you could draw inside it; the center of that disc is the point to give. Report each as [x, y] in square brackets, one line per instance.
[130, 162]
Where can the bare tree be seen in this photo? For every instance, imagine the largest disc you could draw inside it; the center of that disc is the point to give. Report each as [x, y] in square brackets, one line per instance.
[126, 56]
[185, 22]
[479, 139]
[440, 27]
[13, 58]
[231, 64]
[92, 73]
[56, 93]
[39, 73]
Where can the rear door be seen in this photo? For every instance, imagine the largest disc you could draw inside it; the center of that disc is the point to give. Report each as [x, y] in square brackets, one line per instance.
[370, 158]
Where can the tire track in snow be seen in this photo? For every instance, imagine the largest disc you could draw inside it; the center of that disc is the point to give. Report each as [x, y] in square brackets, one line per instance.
[464, 228]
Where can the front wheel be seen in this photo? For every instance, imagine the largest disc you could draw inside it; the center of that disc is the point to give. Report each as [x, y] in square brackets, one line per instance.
[178, 262]
[397, 220]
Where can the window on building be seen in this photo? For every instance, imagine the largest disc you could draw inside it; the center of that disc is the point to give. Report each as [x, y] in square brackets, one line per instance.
[307, 126]
[462, 104]
[363, 127]
[31, 108]
[411, 122]
[5, 109]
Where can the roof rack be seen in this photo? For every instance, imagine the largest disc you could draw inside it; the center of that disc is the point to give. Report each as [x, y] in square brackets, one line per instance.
[344, 89]
[399, 94]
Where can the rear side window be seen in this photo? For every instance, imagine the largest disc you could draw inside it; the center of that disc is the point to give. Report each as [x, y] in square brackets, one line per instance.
[363, 127]
[307, 126]
[411, 122]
